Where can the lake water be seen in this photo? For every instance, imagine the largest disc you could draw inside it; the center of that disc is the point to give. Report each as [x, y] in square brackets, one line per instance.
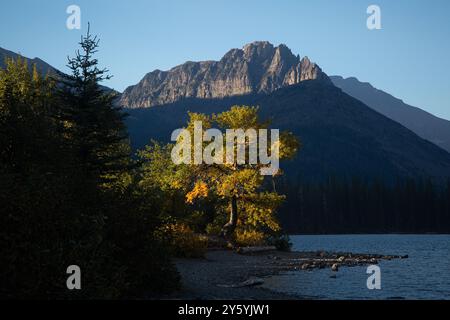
[424, 275]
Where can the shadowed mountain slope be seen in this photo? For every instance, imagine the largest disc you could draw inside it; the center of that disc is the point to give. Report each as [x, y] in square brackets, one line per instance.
[341, 136]
[424, 124]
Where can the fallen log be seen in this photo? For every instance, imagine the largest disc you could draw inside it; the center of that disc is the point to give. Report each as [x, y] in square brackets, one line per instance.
[249, 250]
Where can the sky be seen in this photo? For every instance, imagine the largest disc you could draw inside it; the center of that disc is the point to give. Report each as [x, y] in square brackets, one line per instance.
[408, 58]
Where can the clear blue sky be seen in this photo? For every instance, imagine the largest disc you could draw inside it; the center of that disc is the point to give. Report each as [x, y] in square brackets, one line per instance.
[409, 57]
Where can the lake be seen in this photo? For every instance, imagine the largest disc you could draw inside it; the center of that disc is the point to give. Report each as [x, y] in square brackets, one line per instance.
[424, 275]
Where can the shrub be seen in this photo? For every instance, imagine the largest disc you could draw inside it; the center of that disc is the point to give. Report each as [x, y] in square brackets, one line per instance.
[281, 242]
[213, 229]
[184, 242]
[248, 238]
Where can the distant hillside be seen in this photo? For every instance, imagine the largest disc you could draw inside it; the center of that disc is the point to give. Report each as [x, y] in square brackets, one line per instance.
[42, 66]
[424, 124]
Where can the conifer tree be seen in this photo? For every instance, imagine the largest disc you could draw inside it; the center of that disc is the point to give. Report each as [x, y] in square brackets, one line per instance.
[94, 125]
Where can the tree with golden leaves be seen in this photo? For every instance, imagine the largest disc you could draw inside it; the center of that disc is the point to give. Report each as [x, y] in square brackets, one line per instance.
[239, 183]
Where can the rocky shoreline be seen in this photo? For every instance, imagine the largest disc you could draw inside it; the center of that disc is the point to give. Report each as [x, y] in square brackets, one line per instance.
[226, 274]
[322, 259]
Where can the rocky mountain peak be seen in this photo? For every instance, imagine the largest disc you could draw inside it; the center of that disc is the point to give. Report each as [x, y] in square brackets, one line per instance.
[257, 67]
[257, 51]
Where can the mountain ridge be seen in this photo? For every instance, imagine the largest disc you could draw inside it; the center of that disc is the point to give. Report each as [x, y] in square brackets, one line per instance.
[423, 123]
[42, 66]
[259, 67]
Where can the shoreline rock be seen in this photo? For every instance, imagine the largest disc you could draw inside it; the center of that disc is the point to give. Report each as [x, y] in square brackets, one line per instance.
[305, 261]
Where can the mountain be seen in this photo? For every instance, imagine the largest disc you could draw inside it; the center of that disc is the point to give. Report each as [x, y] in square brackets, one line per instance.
[424, 124]
[42, 66]
[258, 67]
[341, 136]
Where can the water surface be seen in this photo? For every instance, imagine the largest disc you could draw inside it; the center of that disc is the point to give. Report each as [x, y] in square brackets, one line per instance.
[424, 275]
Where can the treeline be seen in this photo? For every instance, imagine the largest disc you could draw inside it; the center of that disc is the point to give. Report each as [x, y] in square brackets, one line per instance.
[69, 190]
[357, 206]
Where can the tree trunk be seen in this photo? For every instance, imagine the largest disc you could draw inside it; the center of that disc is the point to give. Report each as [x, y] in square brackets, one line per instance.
[228, 229]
